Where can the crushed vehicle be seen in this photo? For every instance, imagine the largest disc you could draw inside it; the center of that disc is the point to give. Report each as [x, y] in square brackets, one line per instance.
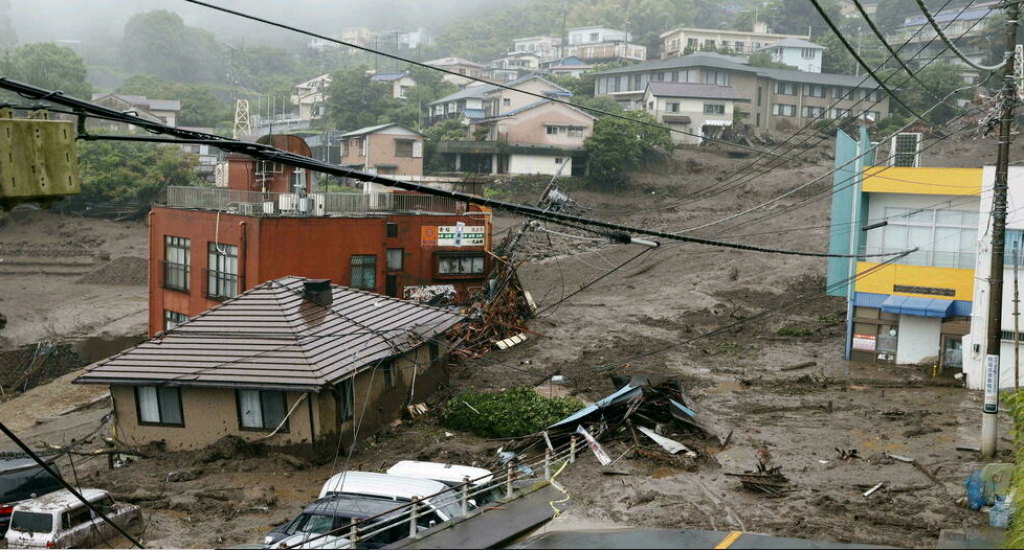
[442, 504]
[60, 520]
[20, 479]
[331, 515]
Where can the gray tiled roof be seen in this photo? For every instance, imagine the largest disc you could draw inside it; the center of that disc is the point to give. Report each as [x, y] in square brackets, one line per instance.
[271, 337]
[478, 92]
[703, 91]
[717, 61]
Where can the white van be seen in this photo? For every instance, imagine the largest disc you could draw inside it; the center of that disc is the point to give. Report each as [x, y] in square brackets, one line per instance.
[449, 474]
[400, 489]
[60, 520]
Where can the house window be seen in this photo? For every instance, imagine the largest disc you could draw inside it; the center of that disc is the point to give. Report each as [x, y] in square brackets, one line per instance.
[871, 115]
[594, 37]
[840, 113]
[392, 230]
[709, 44]
[222, 275]
[359, 145]
[558, 160]
[364, 271]
[842, 93]
[173, 319]
[346, 395]
[403, 147]
[506, 102]
[395, 258]
[812, 112]
[460, 264]
[159, 406]
[298, 181]
[576, 131]
[781, 109]
[807, 53]
[944, 237]
[672, 107]
[552, 130]
[814, 90]
[714, 109]
[692, 43]
[785, 88]
[390, 374]
[262, 410]
[176, 263]
[872, 95]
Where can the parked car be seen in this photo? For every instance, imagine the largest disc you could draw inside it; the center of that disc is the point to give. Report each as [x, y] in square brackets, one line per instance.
[22, 478]
[451, 475]
[60, 520]
[333, 513]
[440, 507]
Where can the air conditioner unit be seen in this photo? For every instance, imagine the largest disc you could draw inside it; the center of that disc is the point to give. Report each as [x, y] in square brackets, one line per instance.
[905, 150]
[305, 205]
[288, 202]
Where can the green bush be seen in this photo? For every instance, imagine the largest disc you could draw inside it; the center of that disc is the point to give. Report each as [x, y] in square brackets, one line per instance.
[1015, 405]
[513, 413]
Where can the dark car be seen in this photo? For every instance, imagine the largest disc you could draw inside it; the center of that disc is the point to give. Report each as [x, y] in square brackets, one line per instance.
[20, 479]
[333, 513]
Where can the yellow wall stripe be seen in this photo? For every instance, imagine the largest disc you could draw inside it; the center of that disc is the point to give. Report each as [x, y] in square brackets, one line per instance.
[923, 181]
[882, 281]
[729, 539]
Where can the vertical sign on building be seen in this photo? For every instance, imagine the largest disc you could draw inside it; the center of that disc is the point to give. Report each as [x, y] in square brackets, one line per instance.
[460, 227]
[992, 384]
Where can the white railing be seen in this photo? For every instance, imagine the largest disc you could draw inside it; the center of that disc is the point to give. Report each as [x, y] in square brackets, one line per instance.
[254, 203]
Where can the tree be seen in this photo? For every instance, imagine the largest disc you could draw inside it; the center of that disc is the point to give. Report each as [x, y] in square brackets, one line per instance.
[199, 106]
[939, 80]
[619, 145]
[50, 66]
[158, 42]
[117, 170]
[354, 101]
[797, 16]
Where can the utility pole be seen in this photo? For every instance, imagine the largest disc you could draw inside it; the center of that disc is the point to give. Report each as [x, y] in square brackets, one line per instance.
[990, 412]
[1016, 316]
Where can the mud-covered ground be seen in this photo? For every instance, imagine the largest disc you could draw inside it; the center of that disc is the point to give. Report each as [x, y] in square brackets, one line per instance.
[650, 315]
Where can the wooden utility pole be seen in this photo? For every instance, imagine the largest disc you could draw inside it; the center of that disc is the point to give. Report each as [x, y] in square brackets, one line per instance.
[989, 419]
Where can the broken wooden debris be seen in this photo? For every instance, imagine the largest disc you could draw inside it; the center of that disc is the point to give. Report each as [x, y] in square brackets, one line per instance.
[765, 480]
[872, 490]
[669, 445]
[798, 366]
[417, 410]
[847, 454]
[511, 341]
[913, 462]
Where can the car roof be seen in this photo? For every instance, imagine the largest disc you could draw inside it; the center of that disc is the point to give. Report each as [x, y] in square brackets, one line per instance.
[59, 500]
[356, 506]
[15, 464]
[382, 485]
[451, 473]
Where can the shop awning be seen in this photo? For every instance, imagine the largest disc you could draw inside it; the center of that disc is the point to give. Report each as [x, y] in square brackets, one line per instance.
[922, 307]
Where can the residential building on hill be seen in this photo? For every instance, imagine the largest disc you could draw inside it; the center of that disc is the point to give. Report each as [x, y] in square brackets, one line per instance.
[460, 66]
[698, 110]
[385, 149]
[680, 42]
[164, 111]
[545, 48]
[400, 82]
[796, 52]
[602, 44]
[968, 29]
[209, 244]
[292, 362]
[779, 99]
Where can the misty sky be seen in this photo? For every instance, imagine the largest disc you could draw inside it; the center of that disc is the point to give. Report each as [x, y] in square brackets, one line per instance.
[101, 22]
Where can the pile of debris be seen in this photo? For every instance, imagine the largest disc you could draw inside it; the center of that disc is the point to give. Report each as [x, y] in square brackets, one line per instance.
[656, 408]
[498, 315]
[764, 479]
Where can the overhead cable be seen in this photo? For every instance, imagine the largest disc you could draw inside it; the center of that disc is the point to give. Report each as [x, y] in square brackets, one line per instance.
[931, 20]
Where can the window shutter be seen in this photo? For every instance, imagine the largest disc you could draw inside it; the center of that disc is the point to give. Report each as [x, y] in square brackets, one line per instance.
[417, 149]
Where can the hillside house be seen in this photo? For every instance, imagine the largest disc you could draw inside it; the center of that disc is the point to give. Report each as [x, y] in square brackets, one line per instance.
[700, 110]
[400, 82]
[164, 111]
[796, 52]
[386, 149]
[602, 45]
[683, 41]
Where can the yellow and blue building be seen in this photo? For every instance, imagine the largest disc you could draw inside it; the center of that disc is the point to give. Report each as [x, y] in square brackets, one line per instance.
[915, 310]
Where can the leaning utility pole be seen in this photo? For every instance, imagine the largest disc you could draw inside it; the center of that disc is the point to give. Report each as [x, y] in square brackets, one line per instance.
[989, 418]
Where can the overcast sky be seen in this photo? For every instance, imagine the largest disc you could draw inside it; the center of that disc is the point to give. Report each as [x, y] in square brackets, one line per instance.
[102, 21]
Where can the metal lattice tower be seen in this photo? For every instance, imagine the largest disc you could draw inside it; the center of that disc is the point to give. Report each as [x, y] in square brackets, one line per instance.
[242, 124]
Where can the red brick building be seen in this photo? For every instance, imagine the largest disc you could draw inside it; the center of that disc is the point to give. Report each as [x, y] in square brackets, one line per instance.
[208, 244]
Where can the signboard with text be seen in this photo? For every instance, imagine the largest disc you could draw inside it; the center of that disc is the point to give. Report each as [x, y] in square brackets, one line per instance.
[452, 235]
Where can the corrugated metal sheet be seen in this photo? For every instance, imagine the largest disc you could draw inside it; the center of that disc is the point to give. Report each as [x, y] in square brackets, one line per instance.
[271, 337]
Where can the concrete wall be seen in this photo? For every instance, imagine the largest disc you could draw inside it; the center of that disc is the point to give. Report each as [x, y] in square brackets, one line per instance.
[919, 340]
[537, 164]
[530, 127]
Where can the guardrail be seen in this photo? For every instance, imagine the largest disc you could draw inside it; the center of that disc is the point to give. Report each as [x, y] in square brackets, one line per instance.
[254, 203]
[515, 475]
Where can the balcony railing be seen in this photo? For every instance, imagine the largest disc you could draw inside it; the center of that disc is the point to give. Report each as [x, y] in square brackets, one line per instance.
[251, 203]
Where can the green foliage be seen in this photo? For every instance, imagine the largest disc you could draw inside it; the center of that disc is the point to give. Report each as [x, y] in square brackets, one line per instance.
[796, 16]
[793, 331]
[354, 101]
[618, 146]
[764, 59]
[446, 130]
[49, 66]
[199, 106]
[1014, 403]
[836, 59]
[117, 170]
[888, 125]
[158, 42]
[513, 413]
[599, 103]
[940, 80]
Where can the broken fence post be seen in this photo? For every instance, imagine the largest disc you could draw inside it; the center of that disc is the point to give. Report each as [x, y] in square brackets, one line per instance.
[572, 449]
[872, 490]
[547, 464]
[465, 495]
[353, 535]
[413, 509]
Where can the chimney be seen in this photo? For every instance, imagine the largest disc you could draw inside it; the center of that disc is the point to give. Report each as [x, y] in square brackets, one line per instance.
[318, 291]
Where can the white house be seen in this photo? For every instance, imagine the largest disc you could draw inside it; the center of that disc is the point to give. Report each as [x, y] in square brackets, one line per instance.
[544, 47]
[796, 52]
[596, 35]
[400, 82]
[701, 109]
[309, 97]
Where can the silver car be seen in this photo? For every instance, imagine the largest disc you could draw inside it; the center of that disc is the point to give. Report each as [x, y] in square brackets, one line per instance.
[60, 520]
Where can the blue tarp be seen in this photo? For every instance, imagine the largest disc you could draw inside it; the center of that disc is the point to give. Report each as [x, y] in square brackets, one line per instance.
[625, 393]
[923, 307]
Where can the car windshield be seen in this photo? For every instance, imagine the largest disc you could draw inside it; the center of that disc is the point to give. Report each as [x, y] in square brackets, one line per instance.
[310, 523]
[32, 522]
